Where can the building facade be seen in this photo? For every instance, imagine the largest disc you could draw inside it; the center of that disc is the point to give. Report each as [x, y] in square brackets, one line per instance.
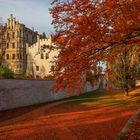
[2, 43]
[39, 57]
[23, 50]
[15, 37]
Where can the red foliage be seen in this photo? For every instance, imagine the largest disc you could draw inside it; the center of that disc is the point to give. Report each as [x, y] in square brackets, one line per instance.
[86, 31]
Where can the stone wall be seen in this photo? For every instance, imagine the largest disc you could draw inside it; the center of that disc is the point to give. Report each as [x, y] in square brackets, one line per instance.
[19, 93]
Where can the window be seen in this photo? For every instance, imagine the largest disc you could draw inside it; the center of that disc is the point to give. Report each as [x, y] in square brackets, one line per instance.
[17, 45]
[37, 68]
[1, 35]
[18, 33]
[21, 45]
[42, 56]
[47, 56]
[7, 46]
[13, 56]
[7, 35]
[20, 56]
[32, 38]
[13, 35]
[13, 45]
[21, 33]
[27, 36]
[17, 55]
[20, 66]
[7, 56]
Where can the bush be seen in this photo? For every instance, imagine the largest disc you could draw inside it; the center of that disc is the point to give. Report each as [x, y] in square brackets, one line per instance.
[6, 72]
[23, 76]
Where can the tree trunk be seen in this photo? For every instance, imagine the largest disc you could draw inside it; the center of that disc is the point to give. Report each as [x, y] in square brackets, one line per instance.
[126, 88]
[126, 92]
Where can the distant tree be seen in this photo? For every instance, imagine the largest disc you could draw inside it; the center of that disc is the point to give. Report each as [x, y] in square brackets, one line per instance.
[125, 69]
[6, 72]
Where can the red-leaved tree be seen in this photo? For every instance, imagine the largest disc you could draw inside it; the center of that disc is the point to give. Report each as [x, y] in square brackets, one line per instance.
[87, 31]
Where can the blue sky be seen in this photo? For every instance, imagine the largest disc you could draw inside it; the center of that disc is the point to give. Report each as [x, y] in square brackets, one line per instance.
[33, 13]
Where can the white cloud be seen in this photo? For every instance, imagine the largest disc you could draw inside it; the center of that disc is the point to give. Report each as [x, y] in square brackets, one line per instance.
[32, 13]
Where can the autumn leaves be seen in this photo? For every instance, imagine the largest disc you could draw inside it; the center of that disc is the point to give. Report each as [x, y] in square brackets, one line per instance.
[87, 31]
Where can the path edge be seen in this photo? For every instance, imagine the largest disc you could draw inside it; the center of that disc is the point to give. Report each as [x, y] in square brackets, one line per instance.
[128, 125]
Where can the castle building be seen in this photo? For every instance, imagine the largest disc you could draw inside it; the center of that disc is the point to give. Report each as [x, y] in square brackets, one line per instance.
[39, 57]
[15, 37]
[2, 43]
[23, 50]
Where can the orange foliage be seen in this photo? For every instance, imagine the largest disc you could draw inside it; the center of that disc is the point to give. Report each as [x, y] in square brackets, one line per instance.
[86, 31]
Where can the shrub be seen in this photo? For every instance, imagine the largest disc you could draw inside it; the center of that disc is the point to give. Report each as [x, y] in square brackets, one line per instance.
[6, 72]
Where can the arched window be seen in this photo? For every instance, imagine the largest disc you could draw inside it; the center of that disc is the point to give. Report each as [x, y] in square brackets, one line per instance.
[13, 56]
[7, 45]
[7, 56]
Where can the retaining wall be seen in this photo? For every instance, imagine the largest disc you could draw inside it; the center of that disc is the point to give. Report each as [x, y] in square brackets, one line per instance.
[19, 93]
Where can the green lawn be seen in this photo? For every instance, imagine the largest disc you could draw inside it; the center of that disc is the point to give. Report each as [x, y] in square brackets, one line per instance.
[106, 98]
[91, 94]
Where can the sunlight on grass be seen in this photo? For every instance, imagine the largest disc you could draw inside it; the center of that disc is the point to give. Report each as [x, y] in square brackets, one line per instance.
[106, 98]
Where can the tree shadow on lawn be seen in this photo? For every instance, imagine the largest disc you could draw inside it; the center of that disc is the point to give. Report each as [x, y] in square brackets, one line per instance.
[96, 100]
[83, 127]
[13, 113]
[91, 94]
[95, 103]
[102, 99]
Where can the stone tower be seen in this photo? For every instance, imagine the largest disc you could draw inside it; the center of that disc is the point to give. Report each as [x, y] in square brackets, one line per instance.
[17, 37]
